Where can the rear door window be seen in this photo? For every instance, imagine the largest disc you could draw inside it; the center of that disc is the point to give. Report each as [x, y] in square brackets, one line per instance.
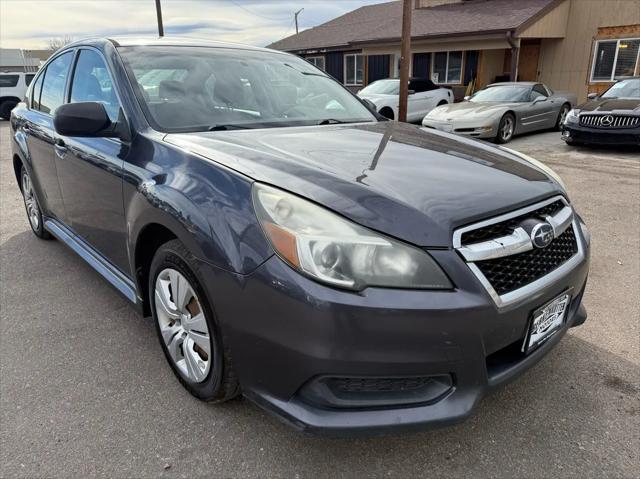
[29, 78]
[55, 81]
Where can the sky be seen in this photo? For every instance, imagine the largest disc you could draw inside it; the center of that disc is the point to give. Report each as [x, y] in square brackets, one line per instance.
[30, 24]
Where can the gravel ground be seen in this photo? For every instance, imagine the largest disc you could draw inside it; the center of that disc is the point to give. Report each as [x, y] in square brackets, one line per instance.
[85, 391]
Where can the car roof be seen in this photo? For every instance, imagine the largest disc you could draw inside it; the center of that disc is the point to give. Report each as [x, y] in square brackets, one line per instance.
[130, 41]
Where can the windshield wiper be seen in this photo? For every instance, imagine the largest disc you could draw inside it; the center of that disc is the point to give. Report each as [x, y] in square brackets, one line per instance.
[333, 121]
[228, 126]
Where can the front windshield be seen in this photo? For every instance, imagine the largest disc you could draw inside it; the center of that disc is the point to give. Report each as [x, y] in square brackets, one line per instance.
[624, 89]
[511, 93]
[202, 88]
[382, 87]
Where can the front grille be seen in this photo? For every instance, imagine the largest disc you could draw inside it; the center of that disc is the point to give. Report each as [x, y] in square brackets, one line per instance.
[603, 120]
[505, 228]
[513, 272]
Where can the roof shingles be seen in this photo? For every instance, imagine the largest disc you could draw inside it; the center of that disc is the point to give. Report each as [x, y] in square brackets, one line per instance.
[384, 21]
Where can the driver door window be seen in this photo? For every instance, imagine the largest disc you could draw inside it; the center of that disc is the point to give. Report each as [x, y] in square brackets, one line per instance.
[538, 92]
[91, 82]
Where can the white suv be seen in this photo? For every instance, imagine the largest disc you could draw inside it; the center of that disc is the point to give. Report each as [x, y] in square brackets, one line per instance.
[13, 86]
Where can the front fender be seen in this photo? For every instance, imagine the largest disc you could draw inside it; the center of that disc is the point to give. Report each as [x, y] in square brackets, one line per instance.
[207, 207]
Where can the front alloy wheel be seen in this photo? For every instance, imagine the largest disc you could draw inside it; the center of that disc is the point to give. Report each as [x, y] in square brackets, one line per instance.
[183, 325]
[189, 333]
[506, 129]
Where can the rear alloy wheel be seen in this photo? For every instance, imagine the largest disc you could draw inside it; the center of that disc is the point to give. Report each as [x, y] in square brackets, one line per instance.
[32, 206]
[186, 326]
[562, 116]
[506, 128]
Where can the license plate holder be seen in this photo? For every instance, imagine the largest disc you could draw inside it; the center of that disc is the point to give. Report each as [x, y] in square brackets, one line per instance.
[546, 321]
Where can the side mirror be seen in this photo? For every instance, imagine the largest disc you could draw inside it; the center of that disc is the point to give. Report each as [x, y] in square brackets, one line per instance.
[540, 99]
[467, 98]
[592, 96]
[84, 119]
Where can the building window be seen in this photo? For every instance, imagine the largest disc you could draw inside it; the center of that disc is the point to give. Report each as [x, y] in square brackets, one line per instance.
[353, 69]
[446, 68]
[317, 61]
[615, 59]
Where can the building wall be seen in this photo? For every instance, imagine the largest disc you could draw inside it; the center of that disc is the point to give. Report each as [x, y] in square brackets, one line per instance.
[565, 64]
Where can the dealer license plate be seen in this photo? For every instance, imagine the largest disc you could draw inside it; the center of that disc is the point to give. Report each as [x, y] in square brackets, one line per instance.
[546, 321]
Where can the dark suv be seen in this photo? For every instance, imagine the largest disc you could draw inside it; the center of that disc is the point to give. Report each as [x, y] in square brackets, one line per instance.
[350, 274]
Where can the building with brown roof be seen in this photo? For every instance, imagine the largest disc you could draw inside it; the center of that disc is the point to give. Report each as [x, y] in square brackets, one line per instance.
[575, 45]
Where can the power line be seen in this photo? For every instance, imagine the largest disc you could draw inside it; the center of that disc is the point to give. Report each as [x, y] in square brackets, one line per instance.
[234, 2]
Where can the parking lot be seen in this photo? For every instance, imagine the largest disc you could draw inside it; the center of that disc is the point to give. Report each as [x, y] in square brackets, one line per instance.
[85, 389]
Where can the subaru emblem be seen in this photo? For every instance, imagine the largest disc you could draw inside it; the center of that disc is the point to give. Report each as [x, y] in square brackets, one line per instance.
[542, 235]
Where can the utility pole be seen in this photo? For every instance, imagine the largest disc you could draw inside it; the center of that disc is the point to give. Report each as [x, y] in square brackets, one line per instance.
[404, 59]
[295, 17]
[159, 15]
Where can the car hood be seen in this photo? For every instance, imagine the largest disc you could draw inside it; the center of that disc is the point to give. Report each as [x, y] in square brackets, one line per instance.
[469, 109]
[611, 104]
[392, 177]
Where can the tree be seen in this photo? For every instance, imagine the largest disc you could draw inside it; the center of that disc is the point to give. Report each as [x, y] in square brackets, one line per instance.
[58, 42]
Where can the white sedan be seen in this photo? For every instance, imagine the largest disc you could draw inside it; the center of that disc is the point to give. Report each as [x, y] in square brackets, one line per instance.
[424, 96]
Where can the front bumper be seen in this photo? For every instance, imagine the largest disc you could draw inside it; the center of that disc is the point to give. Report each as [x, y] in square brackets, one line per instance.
[288, 333]
[472, 128]
[574, 133]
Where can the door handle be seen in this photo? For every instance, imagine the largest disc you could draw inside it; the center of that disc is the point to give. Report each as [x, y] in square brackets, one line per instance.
[61, 147]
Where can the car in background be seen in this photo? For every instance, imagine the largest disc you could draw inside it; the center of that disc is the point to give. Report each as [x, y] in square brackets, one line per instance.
[13, 86]
[424, 96]
[502, 110]
[612, 118]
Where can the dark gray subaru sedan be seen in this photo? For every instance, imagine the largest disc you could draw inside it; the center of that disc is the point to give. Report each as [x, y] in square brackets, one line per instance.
[347, 273]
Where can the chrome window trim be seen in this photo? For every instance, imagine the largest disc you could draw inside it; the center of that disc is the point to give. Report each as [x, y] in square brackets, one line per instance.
[534, 289]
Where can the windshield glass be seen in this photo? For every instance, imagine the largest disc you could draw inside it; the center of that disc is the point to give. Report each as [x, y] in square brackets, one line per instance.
[382, 87]
[503, 93]
[624, 89]
[204, 88]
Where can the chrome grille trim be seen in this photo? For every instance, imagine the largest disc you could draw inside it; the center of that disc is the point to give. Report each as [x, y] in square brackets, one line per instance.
[606, 120]
[536, 288]
[517, 242]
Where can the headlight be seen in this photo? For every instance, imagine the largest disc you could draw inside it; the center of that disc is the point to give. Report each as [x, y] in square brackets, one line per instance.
[572, 116]
[537, 164]
[336, 251]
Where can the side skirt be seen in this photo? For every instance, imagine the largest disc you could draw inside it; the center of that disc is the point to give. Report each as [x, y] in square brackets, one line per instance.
[95, 259]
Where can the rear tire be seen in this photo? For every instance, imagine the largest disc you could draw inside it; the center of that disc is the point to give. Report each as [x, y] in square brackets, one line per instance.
[189, 335]
[442, 102]
[506, 129]
[32, 206]
[387, 113]
[6, 107]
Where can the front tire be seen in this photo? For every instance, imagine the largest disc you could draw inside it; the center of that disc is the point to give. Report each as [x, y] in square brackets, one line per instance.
[189, 334]
[32, 206]
[562, 115]
[506, 129]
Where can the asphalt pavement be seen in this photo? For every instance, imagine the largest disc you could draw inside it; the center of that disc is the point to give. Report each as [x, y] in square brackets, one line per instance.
[85, 390]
